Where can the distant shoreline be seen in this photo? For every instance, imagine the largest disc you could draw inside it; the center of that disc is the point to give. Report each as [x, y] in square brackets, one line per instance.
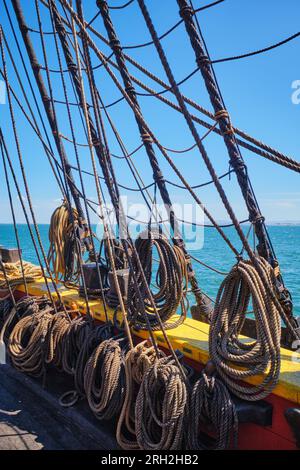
[222, 222]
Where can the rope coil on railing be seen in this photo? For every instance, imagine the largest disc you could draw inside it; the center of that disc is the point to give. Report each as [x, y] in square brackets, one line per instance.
[104, 379]
[211, 405]
[27, 345]
[171, 281]
[137, 362]
[161, 407]
[235, 359]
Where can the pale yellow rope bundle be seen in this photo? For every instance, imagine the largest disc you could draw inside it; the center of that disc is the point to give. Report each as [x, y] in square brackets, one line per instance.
[59, 233]
[14, 273]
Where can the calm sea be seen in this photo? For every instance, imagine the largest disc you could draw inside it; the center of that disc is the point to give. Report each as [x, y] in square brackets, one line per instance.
[286, 241]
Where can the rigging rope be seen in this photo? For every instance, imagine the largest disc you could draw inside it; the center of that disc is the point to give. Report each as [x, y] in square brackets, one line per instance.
[259, 147]
[257, 52]
[12, 274]
[120, 7]
[237, 360]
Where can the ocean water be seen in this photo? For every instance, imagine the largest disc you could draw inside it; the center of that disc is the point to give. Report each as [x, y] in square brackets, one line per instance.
[214, 252]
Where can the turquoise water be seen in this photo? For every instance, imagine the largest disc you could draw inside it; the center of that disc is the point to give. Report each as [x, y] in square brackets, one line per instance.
[286, 241]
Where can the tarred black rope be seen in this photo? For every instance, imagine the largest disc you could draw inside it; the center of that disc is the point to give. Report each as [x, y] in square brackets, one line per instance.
[46, 101]
[52, 70]
[81, 182]
[258, 147]
[28, 194]
[185, 11]
[136, 112]
[121, 7]
[149, 43]
[257, 52]
[226, 128]
[90, 105]
[157, 173]
[11, 167]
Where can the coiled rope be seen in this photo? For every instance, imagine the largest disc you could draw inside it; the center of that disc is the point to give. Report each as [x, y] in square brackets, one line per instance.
[11, 312]
[14, 275]
[56, 339]
[27, 345]
[137, 362]
[104, 380]
[211, 405]
[63, 253]
[76, 335]
[161, 407]
[237, 360]
[97, 335]
[171, 281]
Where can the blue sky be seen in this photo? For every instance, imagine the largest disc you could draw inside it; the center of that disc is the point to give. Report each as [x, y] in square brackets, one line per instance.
[257, 92]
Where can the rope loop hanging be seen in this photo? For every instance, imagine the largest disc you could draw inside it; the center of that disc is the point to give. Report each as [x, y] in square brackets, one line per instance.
[104, 379]
[234, 358]
[171, 281]
[161, 407]
[137, 362]
[211, 409]
[64, 235]
[27, 344]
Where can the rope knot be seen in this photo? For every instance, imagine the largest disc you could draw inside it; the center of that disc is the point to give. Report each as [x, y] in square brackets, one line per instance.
[129, 89]
[202, 60]
[186, 12]
[257, 218]
[146, 138]
[158, 176]
[115, 43]
[223, 114]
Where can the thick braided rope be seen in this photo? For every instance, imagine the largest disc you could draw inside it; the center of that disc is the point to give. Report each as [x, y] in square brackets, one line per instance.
[27, 344]
[76, 335]
[259, 147]
[171, 282]
[237, 360]
[93, 339]
[211, 405]
[161, 407]
[104, 380]
[137, 361]
[225, 125]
